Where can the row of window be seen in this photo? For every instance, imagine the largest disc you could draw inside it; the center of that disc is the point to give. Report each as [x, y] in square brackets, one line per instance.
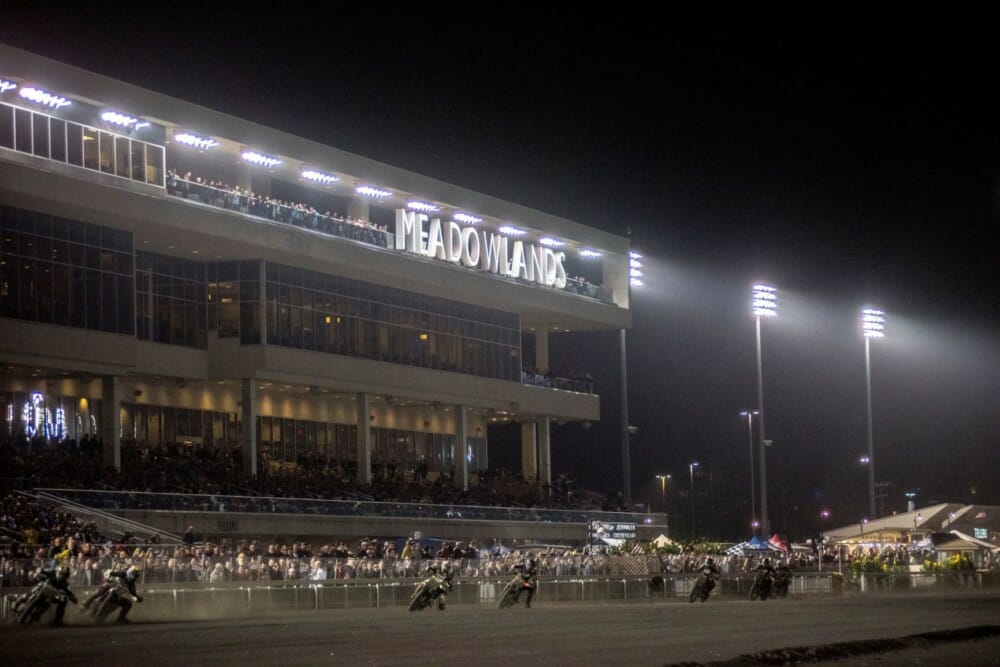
[73, 143]
[177, 301]
[56, 271]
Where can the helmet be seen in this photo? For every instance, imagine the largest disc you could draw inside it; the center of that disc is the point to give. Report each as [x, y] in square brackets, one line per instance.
[432, 569]
[132, 573]
[711, 560]
[62, 573]
[767, 561]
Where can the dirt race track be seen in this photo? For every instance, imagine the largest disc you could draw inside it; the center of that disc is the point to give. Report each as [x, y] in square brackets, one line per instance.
[721, 631]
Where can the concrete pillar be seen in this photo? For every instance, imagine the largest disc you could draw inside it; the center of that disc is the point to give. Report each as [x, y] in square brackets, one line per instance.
[462, 446]
[364, 438]
[111, 420]
[542, 349]
[263, 302]
[544, 452]
[529, 452]
[248, 425]
[357, 208]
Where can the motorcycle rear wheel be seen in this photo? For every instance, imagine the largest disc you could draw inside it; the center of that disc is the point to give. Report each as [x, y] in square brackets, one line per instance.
[754, 591]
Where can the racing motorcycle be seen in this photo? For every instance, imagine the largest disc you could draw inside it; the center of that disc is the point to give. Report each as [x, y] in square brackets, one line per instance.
[762, 586]
[426, 592]
[703, 585]
[511, 593]
[30, 607]
[109, 600]
[782, 579]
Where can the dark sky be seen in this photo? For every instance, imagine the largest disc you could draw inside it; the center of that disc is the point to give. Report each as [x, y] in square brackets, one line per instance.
[848, 156]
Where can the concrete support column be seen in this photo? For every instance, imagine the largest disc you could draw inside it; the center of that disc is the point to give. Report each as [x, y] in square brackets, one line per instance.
[263, 302]
[542, 349]
[357, 208]
[364, 404]
[544, 452]
[462, 446]
[248, 425]
[111, 420]
[529, 452]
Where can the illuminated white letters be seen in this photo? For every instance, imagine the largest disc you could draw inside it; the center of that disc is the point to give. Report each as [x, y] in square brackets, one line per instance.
[419, 234]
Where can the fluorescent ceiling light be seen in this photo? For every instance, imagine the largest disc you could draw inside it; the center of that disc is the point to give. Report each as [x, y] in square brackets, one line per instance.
[369, 191]
[42, 97]
[195, 140]
[120, 119]
[319, 176]
[552, 243]
[511, 231]
[261, 159]
[423, 206]
[465, 217]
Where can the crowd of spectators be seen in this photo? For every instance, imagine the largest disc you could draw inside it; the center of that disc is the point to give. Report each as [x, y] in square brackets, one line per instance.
[218, 470]
[570, 381]
[244, 200]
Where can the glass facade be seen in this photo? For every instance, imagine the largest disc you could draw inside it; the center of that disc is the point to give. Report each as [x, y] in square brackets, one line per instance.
[313, 311]
[307, 443]
[234, 300]
[154, 425]
[59, 271]
[170, 300]
[80, 145]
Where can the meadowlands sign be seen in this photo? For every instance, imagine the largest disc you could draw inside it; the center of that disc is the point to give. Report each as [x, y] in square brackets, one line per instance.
[478, 249]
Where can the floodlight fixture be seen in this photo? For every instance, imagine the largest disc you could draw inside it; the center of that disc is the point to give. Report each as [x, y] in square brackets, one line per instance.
[873, 323]
[765, 300]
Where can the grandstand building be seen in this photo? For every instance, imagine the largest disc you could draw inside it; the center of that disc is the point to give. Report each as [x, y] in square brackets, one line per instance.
[172, 274]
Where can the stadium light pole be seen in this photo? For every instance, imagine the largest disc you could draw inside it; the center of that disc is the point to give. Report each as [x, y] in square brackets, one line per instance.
[753, 496]
[635, 275]
[765, 304]
[872, 326]
[691, 467]
[663, 490]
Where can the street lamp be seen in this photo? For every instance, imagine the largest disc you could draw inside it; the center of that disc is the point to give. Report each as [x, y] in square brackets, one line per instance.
[753, 496]
[765, 304]
[691, 469]
[872, 326]
[663, 490]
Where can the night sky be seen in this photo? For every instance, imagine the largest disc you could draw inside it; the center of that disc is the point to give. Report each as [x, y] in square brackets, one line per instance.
[849, 157]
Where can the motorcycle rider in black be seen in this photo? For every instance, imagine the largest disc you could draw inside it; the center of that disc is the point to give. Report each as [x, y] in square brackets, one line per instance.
[711, 572]
[58, 579]
[127, 577]
[440, 580]
[528, 569]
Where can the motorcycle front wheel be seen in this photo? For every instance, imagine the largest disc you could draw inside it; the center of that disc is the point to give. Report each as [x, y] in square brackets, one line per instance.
[506, 598]
[420, 598]
[695, 593]
[754, 591]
